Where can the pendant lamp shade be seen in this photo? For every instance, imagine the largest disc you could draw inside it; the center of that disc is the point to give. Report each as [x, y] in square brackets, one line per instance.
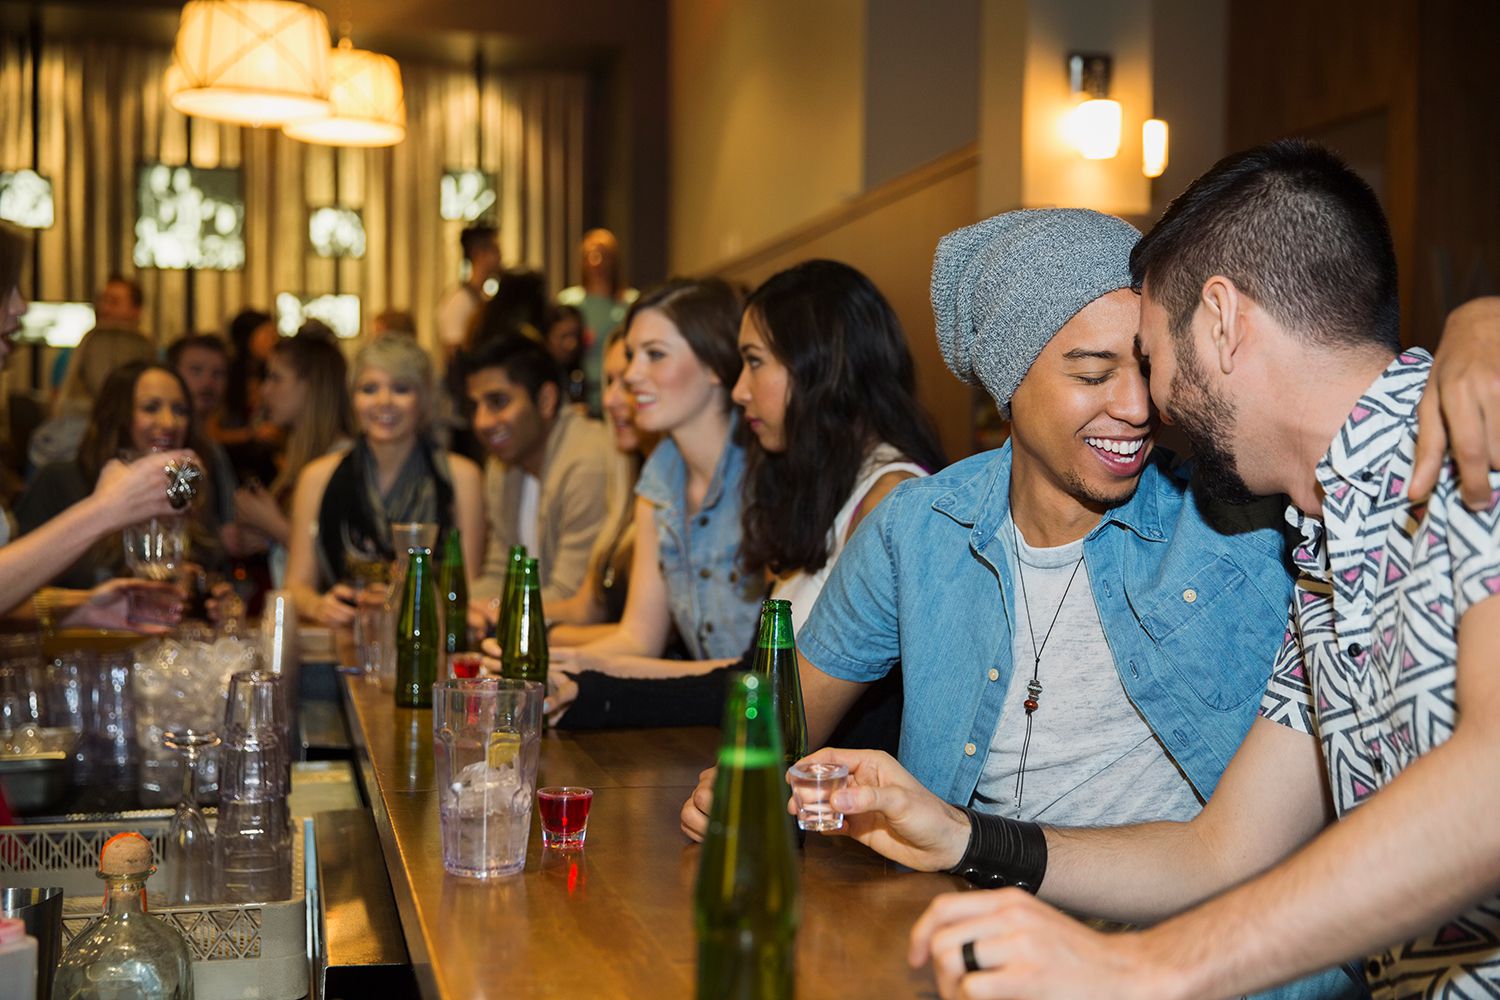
[369, 106]
[250, 62]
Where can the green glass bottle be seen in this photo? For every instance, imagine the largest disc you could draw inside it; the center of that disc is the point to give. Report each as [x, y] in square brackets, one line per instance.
[524, 652]
[508, 593]
[747, 898]
[453, 586]
[418, 640]
[776, 658]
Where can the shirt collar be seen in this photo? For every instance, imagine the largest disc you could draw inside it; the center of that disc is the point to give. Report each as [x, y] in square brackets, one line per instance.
[1365, 444]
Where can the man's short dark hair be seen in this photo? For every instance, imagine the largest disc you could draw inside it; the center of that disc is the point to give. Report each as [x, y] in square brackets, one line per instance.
[1296, 230]
[137, 297]
[473, 237]
[205, 341]
[526, 362]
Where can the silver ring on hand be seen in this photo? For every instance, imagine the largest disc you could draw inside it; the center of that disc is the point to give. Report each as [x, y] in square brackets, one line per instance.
[182, 482]
[971, 961]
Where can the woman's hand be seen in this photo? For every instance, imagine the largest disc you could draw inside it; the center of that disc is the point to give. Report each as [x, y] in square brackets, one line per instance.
[336, 607]
[254, 506]
[562, 691]
[108, 606]
[128, 494]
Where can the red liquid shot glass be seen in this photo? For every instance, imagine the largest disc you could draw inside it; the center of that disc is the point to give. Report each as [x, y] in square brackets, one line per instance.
[465, 664]
[565, 815]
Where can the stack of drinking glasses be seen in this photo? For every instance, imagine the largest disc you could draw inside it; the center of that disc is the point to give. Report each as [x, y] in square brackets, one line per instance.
[253, 843]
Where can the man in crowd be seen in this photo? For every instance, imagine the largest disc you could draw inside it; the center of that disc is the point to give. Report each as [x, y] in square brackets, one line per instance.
[203, 362]
[1270, 325]
[459, 305]
[119, 304]
[554, 478]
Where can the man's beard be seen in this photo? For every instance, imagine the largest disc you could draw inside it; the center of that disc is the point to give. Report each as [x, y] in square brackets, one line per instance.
[1206, 420]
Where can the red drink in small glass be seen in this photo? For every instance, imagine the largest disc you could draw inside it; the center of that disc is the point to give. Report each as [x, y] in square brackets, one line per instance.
[465, 664]
[565, 815]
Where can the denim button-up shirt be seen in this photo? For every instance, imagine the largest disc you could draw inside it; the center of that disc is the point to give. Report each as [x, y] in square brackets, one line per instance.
[1193, 616]
[714, 604]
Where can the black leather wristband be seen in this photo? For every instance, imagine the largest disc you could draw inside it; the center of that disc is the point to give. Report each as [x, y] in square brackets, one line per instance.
[1003, 852]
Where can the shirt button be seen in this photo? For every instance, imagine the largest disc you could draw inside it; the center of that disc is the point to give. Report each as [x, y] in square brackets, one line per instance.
[969, 749]
[734, 577]
[1354, 650]
[703, 521]
[1134, 671]
[1190, 595]
[705, 572]
[994, 674]
[708, 627]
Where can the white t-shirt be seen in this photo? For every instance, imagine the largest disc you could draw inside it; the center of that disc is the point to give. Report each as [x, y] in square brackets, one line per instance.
[802, 589]
[1092, 760]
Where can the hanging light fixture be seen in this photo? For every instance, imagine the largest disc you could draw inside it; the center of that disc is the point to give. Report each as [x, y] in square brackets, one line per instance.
[368, 104]
[250, 62]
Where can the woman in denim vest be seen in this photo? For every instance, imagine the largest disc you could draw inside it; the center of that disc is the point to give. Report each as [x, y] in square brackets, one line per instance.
[681, 338]
[829, 394]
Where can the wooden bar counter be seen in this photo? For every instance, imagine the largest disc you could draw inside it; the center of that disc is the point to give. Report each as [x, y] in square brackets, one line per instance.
[615, 920]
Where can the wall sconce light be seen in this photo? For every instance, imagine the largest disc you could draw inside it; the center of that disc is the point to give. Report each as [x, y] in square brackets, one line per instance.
[1093, 126]
[1154, 147]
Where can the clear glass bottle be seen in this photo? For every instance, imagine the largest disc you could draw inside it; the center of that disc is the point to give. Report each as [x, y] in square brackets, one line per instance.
[127, 954]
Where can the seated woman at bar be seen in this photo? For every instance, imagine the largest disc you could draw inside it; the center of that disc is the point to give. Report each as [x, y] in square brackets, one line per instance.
[829, 391]
[143, 407]
[681, 339]
[306, 394]
[599, 604]
[345, 503]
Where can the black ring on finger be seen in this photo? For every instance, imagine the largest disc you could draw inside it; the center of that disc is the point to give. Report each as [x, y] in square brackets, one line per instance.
[971, 961]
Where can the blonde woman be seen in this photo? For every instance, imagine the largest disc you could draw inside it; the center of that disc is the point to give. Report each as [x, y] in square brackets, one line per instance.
[345, 503]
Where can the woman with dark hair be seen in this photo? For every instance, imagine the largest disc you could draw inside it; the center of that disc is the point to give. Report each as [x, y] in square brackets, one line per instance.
[346, 502]
[829, 392]
[681, 343]
[250, 440]
[306, 394]
[142, 407]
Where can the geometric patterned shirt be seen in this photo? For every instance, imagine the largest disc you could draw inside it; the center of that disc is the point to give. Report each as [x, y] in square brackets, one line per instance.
[1369, 663]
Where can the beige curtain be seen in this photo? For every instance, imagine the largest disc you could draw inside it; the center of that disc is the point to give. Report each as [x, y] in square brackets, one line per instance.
[103, 112]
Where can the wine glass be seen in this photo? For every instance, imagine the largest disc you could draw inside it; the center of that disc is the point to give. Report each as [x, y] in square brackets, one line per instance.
[156, 549]
[189, 853]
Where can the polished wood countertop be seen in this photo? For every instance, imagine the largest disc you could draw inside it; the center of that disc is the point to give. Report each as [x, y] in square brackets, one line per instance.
[615, 920]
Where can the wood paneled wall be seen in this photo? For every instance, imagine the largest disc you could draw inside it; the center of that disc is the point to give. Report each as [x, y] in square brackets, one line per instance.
[890, 233]
[1426, 69]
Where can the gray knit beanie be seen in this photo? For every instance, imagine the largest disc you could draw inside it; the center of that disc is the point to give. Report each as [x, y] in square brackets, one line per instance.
[1002, 288]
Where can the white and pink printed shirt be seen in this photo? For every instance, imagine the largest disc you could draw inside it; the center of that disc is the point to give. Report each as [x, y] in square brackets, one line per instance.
[1369, 663]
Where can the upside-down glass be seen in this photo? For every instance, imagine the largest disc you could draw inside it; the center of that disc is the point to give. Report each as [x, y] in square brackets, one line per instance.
[486, 741]
[253, 847]
[189, 853]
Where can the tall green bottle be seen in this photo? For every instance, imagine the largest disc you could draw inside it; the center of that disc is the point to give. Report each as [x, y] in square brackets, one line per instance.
[747, 898]
[508, 593]
[418, 641]
[523, 654]
[453, 587]
[776, 658]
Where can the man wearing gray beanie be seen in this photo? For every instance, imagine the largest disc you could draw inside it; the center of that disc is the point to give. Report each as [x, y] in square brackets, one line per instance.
[1083, 641]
